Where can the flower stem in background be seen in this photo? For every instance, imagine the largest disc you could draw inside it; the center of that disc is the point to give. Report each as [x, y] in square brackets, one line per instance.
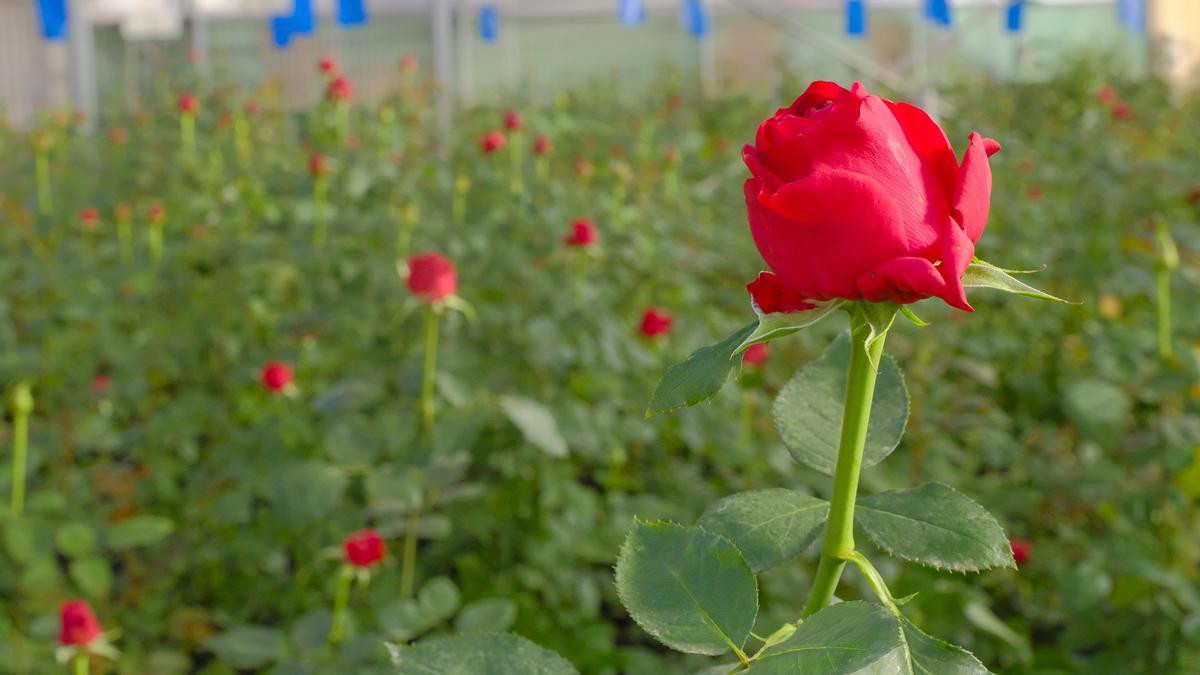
[340, 600]
[516, 153]
[543, 168]
[342, 111]
[155, 241]
[838, 545]
[124, 238]
[408, 222]
[187, 134]
[429, 374]
[320, 197]
[241, 138]
[22, 405]
[42, 170]
[408, 559]
[458, 208]
[1168, 261]
[82, 662]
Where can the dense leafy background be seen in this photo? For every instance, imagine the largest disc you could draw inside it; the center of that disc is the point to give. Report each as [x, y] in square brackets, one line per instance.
[201, 515]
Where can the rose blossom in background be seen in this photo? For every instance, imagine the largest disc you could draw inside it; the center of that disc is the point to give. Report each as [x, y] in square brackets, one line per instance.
[339, 89]
[431, 277]
[1021, 550]
[364, 548]
[408, 63]
[583, 233]
[493, 141]
[101, 383]
[756, 354]
[656, 322]
[78, 624]
[857, 197]
[188, 104]
[513, 121]
[317, 166]
[90, 218]
[276, 376]
[327, 65]
[542, 146]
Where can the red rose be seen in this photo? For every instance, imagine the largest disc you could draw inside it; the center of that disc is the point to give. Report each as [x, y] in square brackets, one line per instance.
[1021, 550]
[188, 104]
[90, 218]
[408, 63]
[101, 383]
[317, 166]
[583, 233]
[364, 548]
[155, 213]
[853, 196]
[655, 322]
[339, 89]
[756, 354]
[1121, 111]
[252, 109]
[513, 121]
[542, 146]
[276, 376]
[493, 141]
[770, 295]
[1194, 196]
[1107, 95]
[431, 277]
[79, 626]
[327, 65]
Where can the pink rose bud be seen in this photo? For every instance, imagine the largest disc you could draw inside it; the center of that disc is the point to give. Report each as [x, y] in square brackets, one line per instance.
[327, 65]
[513, 121]
[317, 165]
[188, 104]
[408, 63]
[90, 218]
[101, 383]
[857, 197]
[431, 277]
[583, 233]
[364, 548]
[1021, 550]
[276, 376]
[756, 354]
[79, 626]
[493, 141]
[655, 322]
[252, 109]
[155, 214]
[542, 146]
[339, 89]
[1107, 95]
[1121, 111]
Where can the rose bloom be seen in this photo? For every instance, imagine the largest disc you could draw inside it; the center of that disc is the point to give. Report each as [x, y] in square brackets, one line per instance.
[252, 109]
[118, 136]
[276, 376]
[1121, 111]
[513, 121]
[155, 213]
[1107, 95]
[1021, 550]
[339, 89]
[493, 141]
[542, 146]
[756, 354]
[188, 104]
[853, 196]
[317, 166]
[90, 218]
[583, 233]
[408, 63]
[101, 383]
[327, 65]
[78, 624]
[431, 277]
[364, 548]
[656, 322]
[1193, 196]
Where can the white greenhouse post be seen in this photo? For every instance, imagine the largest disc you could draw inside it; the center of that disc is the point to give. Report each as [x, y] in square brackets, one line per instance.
[441, 18]
[199, 25]
[81, 46]
[708, 65]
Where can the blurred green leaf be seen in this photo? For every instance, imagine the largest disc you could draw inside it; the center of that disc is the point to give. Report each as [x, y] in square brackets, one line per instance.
[698, 378]
[491, 653]
[138, 531]
[536, 423]
[248, 647]
[488, 614]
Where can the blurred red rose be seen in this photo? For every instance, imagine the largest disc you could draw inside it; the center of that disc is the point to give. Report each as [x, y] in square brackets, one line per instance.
[276, 376]
[1021, 550]
[656, 322]
[101, 383]
[339, 89]
[78, 624]
[364, 548]
[756, 354]
[853, 196]
[1107, 95]
[583, 233]
[155, 214]
[189, 104]
[317, 165]
[1121, 110]
[542, 146]
[513, 121]
[90, 218]
[252, 109]
[327, 65]
[431, 277]
[408, 63]
[493, 141]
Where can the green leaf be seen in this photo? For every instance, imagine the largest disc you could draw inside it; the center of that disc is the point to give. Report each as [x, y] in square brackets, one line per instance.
[438, 599]
[248, 647]
[699, 377]
[849, 637]
[478, 653]
[75, 539]
[935, 525]
[808, 410]
[768, 526]
[139, 531]
[980, 274]
[912, 316]
[931, 656]
[1099, 408]
[689, 588]
[779, 324]
[306, 492]
[489, 614]
[92, 575]
[536, 423]
[311, 631]
[982, 617]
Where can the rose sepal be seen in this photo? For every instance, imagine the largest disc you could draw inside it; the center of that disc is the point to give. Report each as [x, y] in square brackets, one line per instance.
[775, 325]
[981, 274]
[100, 646]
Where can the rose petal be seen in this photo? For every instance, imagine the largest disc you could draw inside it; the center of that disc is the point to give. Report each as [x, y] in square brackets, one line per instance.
[973, 190]
[902, 280]
[929, 142]
[771, 295]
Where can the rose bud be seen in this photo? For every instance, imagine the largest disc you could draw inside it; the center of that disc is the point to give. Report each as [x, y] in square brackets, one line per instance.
[118, 136]
[1034, 193]
[327, 65]
[853, 196]
[1107, 95]
[585, 168]
[542, 146]
[124, 211]
[155, 214]
[1021, 550]
[252, 109]
[188, 104]
[317, 165]
[408, 63]
[78, 627]
[101, 383]
[90, 218]
[493, 141]
[364, 548]
[339, 89]
[1121, 111]
[583, 233]
[1193, 197]
[276, 376]
[431, 277]
[671, 155]
[655, 322]
[756, 354]
[513, 121]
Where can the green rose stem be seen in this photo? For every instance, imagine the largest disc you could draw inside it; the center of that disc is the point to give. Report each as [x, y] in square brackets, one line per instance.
[342, 111]
[125, 236]
[241, 138]
[542, 166]
[516, 154]
[838, 545]
[410, 214]
[458, 208]
[1168, 261]
[154, 238]
[340, 600]
[81, 663]
[320, 197]
[42, 173]
[22, 405]
[429, 373]
[187, 134]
